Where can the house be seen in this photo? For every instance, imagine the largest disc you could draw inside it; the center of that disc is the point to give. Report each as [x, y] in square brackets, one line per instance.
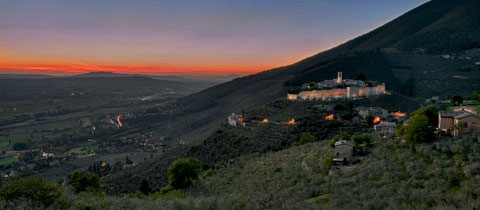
[446, 56]
[386, 127]
[374, 111]
[343, 152]
[477, 63]
[469, 109]
[464, 117]
[236, 120]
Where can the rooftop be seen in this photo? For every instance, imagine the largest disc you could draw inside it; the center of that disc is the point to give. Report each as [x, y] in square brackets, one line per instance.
[344, 142]
[456, 114]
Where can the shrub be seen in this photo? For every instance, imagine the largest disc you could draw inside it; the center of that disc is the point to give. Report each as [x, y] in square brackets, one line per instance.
[19, 146]
[144, 187]
[457, 100]
[183, 172]
[305, 138]
[35, 189]
[363, 138]
[370, 119]
[84, 181]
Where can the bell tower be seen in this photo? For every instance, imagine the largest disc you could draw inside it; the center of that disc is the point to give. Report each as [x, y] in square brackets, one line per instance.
[340, 78]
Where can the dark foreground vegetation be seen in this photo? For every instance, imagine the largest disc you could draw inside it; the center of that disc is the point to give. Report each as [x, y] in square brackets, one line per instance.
[442, 174]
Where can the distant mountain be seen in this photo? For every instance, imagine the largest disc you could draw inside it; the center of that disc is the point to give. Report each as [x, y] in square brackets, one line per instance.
[25, 76]
[216, 79]
[100, 74]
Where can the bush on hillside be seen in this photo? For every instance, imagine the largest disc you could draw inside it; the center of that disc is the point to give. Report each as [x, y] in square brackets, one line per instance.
[20, 146]
[364, 138]
[84, 181]
[475, 96]
[184, 172]
[144, 187]
[370, 119]
[457, 100]
[35, 189]
[305, 138]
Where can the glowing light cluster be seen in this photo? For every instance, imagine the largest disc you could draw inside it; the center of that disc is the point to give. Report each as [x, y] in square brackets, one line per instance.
[330, 117]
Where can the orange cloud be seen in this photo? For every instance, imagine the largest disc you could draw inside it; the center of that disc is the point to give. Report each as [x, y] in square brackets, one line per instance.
[75, 67]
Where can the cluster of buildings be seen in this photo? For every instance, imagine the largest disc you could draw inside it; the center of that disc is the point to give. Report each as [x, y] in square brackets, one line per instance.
[30, 161]
[338, 88]
[458, 120]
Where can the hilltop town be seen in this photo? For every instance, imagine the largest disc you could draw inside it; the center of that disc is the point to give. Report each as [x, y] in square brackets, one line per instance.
[338, 88]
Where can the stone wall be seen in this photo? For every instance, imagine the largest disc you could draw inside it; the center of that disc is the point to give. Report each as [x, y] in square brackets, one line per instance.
[349, 92]
[323, 94]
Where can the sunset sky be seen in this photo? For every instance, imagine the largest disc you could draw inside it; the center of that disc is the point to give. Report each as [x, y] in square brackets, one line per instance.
[179, 36]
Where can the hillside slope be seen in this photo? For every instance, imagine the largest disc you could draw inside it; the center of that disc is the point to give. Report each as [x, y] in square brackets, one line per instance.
[442, 174]
[406, 73]
[432, 21]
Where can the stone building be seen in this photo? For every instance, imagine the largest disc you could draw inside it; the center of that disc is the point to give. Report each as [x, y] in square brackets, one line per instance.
[374, 111]
[339, 88]
[386, 127]
[459, 119]
[343, 152]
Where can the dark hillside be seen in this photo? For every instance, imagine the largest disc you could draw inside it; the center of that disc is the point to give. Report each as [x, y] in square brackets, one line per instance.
[458, 30]
[406, 25]
[419, 24]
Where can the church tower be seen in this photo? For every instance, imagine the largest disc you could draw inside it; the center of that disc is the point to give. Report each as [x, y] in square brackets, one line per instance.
[340, 78]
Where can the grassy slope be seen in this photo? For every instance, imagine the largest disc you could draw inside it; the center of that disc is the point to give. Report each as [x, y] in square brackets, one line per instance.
[445, 173]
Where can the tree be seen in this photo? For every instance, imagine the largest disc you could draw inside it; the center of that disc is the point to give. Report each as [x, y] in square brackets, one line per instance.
[341, 136]
[84, 181]
[338, 108]
[128, 161]
[183, 172]
[475, 96]
[144, 187]
[370, 119]
[457, 100]
[363, 138]
[361, 77]
[350, 106]
[305, 138]
[418, 130]
[460, 127]
[36, 189]
[19, 146]
[431, 112]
